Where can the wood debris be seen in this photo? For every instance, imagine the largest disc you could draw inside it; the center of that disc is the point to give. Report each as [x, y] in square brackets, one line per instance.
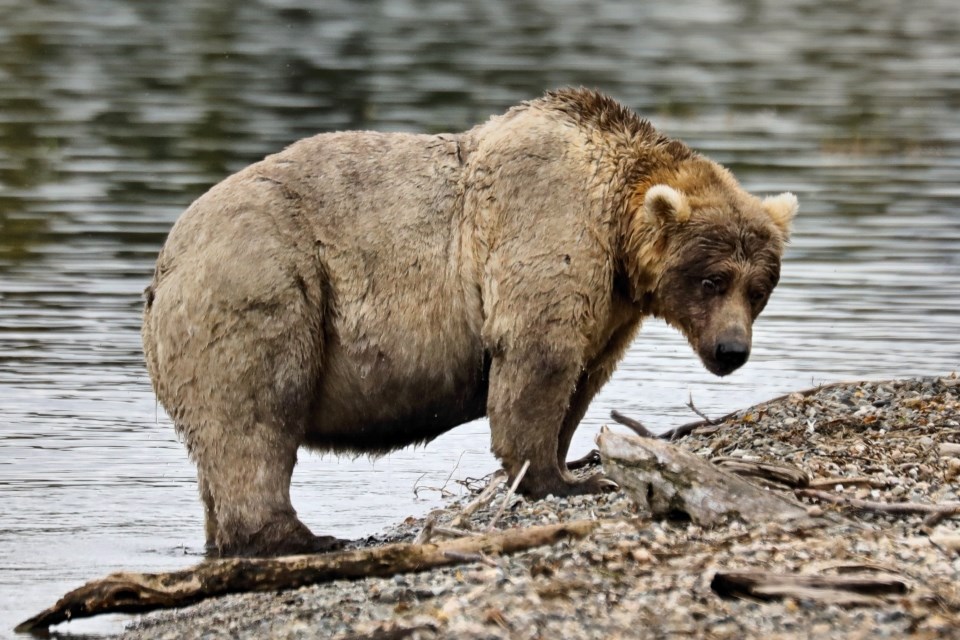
[665, 479]
[850, 589]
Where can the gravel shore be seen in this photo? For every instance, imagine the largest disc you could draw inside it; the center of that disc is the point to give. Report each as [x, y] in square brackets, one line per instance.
[636, 577]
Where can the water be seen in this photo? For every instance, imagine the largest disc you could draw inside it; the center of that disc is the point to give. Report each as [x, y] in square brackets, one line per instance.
[115, 115]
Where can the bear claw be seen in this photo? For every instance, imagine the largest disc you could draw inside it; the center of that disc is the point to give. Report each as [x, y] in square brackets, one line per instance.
[597, 483]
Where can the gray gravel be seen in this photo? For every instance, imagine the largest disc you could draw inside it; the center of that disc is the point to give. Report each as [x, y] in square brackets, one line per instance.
[636, 577]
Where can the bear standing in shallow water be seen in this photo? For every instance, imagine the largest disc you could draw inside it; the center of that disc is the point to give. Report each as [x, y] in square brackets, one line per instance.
[363, 291]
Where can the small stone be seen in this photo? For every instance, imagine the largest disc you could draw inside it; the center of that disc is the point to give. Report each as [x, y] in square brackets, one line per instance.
[953, 468]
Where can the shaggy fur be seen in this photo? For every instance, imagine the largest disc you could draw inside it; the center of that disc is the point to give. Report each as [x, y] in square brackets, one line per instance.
[363, 291]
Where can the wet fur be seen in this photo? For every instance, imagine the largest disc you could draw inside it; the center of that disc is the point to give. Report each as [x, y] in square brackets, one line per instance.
[363, 291]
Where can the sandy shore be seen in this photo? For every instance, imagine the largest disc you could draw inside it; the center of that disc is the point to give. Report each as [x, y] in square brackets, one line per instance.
[639, 577]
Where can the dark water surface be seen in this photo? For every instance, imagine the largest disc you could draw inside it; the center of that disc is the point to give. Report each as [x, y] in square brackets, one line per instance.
[114, 115]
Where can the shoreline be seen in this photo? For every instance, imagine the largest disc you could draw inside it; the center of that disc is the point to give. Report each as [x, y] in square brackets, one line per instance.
[877, 442]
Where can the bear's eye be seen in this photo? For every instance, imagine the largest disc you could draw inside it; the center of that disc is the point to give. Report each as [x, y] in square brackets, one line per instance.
[710, 285]
[757, 296]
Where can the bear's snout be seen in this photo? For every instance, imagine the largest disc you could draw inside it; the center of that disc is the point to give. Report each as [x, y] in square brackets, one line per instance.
[727, 353]
[730, 356]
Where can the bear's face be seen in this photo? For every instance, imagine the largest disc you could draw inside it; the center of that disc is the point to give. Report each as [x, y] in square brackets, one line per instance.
[721, 263]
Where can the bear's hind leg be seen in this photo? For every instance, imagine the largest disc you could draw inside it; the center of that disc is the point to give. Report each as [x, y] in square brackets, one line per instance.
[250, 490]
[235, 349]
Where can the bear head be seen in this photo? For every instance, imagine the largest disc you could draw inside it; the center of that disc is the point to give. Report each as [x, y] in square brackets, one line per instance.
[712, 252]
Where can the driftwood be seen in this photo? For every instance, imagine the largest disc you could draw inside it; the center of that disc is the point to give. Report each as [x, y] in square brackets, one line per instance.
[942, 510]
[858, 589]
[139, 592]
[666, 480]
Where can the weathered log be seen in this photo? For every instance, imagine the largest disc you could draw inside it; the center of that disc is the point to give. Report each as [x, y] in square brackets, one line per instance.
[666, 480]
[859, 589]
[139, 592]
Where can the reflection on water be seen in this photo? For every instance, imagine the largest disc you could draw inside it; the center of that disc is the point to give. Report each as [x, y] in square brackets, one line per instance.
[114, 115]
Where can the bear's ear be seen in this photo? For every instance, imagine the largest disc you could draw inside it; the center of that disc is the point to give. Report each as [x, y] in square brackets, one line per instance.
[782, 209]
[664, 204]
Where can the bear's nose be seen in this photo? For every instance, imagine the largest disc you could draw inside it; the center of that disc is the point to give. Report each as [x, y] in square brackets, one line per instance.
[732, 354]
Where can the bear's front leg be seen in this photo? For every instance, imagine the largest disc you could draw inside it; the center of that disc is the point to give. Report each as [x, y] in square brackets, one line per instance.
[530, 391]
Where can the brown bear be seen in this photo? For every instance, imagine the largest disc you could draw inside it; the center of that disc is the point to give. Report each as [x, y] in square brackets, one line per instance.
[361, 291]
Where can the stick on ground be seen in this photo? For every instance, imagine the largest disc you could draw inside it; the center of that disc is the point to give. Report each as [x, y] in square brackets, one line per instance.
[635, 425]
[486, 496]
[509, 494]
[693, 408]
[944, 509]
[592, 458]
[859, 589]
[139, 592]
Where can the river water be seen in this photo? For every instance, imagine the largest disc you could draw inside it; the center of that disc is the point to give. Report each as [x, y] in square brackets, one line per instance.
[114, 115]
